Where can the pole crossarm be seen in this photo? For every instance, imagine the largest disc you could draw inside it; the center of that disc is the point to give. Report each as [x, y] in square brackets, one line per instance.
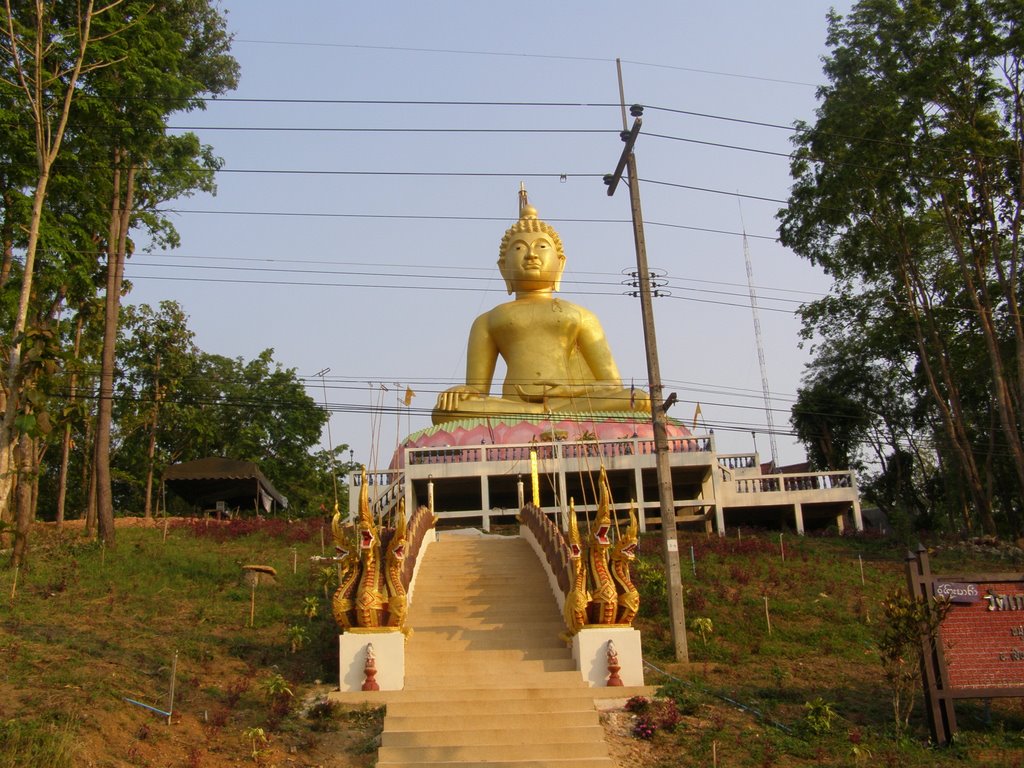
[612, 179]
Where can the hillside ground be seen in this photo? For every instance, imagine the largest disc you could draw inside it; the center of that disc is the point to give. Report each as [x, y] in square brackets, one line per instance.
[85, 628]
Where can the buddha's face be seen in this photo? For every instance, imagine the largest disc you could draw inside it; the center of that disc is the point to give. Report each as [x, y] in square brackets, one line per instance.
[531, 263]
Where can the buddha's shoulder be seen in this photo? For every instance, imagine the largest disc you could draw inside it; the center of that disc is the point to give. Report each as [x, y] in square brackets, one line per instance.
[529, 308]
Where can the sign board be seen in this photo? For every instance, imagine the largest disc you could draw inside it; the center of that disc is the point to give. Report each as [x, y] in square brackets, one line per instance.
[983, 642]
[979, 651]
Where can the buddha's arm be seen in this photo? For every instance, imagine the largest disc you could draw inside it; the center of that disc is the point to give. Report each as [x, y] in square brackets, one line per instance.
[595, 351]
[481, 358]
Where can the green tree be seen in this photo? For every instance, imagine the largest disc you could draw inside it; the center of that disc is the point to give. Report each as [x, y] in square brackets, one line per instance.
[253, 410]
[908, 193]
[157, 354]
[45, 51]
[171, 53]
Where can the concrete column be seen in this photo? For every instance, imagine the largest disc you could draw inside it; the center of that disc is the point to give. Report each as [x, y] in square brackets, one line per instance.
[521, 493]
[563, 498]
[485, 501]
[715, 493]
[638, 476]
[858, 521]
[798, 516]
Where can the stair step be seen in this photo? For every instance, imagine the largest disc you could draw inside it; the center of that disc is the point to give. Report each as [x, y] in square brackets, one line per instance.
[469, 701]
[439, 720]
[441, 656]
[589, 762]
[469, 667]
[478, 753]
[449, 680]
[473, 736]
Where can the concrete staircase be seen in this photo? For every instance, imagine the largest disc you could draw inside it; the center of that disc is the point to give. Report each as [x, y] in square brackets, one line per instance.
[487, 679]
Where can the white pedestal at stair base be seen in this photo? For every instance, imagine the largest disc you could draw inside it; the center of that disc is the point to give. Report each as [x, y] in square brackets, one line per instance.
[590, 650]
[389, 651]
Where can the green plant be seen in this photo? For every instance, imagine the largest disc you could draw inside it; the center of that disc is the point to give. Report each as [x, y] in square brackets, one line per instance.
[907, 622]
[311, 607]
[279, 697]
[275, 687]
[327, 579]
[858, 750]
[704, 627]
[257, 738]
[298, 637]
[818, 716]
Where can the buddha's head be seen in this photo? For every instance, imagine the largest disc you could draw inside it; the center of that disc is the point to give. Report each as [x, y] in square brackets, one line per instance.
[531, 257]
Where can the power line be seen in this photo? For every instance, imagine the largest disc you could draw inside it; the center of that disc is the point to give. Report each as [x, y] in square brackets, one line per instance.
[434, 276]
[522, 55]
[454, 269]
[433, 217]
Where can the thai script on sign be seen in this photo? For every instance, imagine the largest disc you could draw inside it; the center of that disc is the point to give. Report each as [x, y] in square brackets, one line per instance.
[956, 592]
[1004, 602]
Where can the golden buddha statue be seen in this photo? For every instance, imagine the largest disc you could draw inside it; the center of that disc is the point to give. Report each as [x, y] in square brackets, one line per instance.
[556, 353]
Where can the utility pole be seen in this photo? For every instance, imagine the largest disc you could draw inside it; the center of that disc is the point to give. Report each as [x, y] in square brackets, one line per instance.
[670, 543]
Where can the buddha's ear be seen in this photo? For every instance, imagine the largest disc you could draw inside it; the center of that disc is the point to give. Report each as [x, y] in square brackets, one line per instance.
[501, 268]
[561, 269]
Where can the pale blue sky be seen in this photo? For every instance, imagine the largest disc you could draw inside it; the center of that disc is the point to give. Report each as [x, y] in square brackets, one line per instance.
[251, 277]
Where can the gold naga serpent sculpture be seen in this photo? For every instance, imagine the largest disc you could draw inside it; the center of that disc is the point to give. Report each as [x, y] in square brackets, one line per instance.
[342, 604]
[624, 553]
[604, 600]
[397, 601]
[576, 600]
[370, 592]
[599, 595]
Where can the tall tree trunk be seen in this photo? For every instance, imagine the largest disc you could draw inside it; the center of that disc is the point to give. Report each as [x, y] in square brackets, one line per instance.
[7, 240]
[120, 215]
[151, 449]
[89, 476]
[973, 268]
[946, 397]
[23, 499]
[65, 448]
[38, 453]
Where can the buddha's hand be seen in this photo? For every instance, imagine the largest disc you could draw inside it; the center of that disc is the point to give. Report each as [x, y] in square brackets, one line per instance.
[542, 390]
[451, 399]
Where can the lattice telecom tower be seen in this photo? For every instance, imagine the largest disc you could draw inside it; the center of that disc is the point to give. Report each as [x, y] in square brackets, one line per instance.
[760, 351]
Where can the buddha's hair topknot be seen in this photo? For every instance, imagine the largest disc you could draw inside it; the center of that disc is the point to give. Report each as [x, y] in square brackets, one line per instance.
[528, 222]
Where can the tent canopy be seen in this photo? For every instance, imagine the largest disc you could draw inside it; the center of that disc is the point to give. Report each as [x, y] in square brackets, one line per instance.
[240, 484]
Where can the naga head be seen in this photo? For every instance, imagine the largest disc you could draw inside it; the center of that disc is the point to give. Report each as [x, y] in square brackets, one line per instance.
[396, 548]
[342, 535]
[368, 538]
[625, 547]
[603, 524]
[575, 548]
